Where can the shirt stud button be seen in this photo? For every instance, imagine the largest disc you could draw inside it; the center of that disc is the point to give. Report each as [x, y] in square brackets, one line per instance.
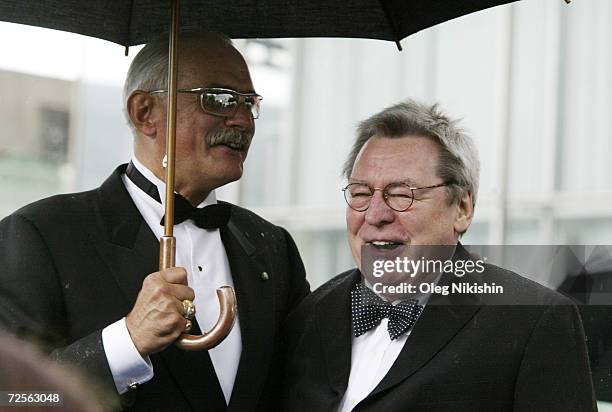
[265, 276]
[200, 268]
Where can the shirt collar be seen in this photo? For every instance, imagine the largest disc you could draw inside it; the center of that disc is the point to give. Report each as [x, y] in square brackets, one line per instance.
[211, 199]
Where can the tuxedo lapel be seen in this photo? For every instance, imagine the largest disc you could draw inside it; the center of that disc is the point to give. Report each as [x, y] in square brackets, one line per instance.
[256, 310]
[194, 374]
[129, 248]
[425, 341]
[442, 319]
[333, 317]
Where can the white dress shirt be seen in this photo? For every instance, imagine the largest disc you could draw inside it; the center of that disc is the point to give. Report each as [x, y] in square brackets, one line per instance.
[372, 355]
[203, 255]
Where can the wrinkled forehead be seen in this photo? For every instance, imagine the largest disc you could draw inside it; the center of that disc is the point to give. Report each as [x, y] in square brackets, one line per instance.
[410, 159]
[212, 63]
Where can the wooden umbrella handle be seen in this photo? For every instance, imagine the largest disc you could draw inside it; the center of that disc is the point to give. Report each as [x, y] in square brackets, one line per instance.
[167, 244]
[227, 304]
[224, 325]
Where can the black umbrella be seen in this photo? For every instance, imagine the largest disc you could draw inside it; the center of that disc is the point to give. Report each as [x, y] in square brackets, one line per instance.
[138, 21]
[132, 22]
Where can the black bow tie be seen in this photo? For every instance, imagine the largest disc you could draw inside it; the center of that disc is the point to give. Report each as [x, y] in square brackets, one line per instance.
[209, 217]
[368, 309]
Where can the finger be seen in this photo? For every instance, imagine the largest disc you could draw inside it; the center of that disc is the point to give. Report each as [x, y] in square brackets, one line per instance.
[180, 292]
[171, 325]
[177, 275]
[188, 326]
[169, 298]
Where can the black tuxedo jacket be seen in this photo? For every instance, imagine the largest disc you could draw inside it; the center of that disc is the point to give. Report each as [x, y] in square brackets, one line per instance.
[72, 264]
[463, 354]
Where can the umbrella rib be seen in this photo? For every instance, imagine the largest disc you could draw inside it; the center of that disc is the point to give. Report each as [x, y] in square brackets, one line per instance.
[129, 27]
[392, 24]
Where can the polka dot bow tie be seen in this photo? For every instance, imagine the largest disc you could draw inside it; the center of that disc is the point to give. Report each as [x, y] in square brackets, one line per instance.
[368, 310]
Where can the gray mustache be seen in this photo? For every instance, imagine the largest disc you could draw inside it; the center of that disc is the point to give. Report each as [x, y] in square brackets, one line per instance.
[229, 137]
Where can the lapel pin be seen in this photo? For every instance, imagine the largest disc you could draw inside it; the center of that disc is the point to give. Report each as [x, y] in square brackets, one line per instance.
[265, 276]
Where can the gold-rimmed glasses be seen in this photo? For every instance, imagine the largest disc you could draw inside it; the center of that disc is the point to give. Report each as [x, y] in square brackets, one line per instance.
[399, 196]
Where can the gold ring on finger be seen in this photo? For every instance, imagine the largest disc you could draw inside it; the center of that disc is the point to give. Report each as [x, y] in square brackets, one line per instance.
[189, 309]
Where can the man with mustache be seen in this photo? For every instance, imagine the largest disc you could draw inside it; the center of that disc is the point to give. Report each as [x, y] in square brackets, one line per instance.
[356, 346]
[79, 271]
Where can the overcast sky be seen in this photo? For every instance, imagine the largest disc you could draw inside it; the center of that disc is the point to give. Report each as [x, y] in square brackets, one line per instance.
[61, 55]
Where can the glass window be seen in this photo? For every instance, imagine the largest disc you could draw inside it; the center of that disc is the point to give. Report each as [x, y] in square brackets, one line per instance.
[586, 231]
[325, 253]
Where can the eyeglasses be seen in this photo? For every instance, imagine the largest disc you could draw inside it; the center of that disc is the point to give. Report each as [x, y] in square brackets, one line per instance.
[222, 102]
[398, 196]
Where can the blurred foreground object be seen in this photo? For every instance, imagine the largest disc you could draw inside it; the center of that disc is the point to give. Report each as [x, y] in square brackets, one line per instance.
[25, 370]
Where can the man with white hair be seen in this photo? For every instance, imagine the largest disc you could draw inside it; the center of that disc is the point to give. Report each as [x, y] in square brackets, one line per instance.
[440, 339]
[79, 271]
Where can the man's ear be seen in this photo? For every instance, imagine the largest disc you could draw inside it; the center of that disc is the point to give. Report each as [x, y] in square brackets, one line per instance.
[141, 107]
[465, 212]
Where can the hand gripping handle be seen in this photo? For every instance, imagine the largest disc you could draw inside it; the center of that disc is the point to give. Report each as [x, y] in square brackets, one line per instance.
[227, 304]
[224, 325]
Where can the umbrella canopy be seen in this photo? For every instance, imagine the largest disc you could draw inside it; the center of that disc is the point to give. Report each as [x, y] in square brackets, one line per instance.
[137, 21]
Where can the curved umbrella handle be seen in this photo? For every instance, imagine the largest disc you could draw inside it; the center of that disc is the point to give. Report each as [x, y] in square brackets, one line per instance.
[228, 307]
[224, 325]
